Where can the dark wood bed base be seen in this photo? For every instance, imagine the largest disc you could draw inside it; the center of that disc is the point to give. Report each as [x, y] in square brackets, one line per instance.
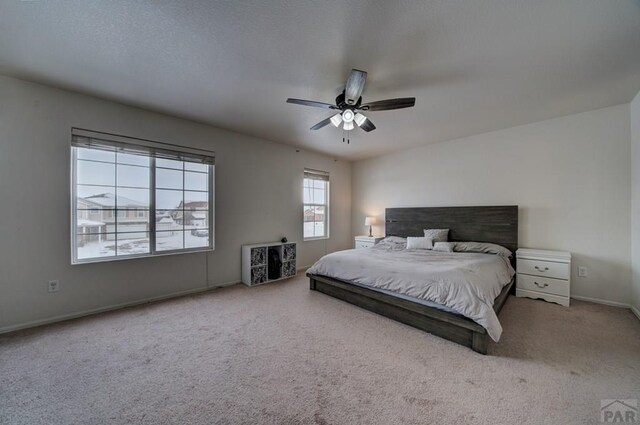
[446, 325]
[496, 224]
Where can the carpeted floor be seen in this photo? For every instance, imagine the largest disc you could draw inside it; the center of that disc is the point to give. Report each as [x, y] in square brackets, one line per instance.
[280, 354]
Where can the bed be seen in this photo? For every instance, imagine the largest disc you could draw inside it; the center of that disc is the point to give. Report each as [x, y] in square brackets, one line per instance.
[493, 224]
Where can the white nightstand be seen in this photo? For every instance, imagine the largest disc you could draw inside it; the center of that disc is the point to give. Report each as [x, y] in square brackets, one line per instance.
[543, 274]
[367, 241]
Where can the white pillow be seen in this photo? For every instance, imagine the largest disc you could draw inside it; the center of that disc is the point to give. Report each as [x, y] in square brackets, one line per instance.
[419, 243]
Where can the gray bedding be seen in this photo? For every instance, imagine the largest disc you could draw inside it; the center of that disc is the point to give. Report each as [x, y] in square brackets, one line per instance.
[465, 283]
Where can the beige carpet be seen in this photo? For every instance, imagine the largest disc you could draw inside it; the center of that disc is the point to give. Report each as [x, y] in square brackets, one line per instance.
[280, 354]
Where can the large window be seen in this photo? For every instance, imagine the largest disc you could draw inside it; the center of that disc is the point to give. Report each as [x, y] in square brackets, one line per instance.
[136, 198]
[316, 204]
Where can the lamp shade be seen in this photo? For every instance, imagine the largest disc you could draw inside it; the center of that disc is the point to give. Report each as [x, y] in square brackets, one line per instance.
[369, 221]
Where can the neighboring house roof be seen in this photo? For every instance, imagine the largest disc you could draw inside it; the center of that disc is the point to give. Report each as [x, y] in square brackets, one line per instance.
[310, 212]
[199, 215]
[194, 204]
[109, 200]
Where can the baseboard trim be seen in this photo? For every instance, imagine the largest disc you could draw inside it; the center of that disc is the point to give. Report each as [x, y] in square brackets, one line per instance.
[76, 315]
[635, 311]
[600, 301]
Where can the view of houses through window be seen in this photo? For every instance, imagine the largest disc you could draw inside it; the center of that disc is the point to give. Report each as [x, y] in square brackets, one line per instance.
[133, 204]
[315, 204]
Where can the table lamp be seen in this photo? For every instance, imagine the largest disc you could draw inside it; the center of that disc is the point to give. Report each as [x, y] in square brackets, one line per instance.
[369, 221]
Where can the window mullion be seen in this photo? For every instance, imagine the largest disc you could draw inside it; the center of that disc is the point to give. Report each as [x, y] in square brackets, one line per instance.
[152, 205]
[115, 204]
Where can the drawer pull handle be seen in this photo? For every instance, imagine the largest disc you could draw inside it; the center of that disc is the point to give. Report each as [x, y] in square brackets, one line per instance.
[544, 285]
[541, 269]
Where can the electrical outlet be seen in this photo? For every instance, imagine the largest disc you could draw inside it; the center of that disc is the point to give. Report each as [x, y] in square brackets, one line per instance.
[53, 286]
[582, 271]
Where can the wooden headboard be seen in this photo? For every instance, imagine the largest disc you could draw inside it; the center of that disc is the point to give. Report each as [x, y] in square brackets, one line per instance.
[495, 224]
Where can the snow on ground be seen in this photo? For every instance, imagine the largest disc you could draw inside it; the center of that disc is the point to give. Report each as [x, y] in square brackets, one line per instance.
[141, 245]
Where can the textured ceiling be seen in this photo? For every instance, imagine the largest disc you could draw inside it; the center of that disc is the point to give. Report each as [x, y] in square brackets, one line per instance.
[474, 66]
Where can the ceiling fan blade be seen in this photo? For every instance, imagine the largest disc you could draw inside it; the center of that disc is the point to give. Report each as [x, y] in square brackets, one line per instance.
[367, 125]
[322, 124]
[311, 103]
[354, 87]
[388, 104]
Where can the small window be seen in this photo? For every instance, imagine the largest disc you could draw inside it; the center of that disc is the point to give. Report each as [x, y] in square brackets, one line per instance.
[137, 198]
[315, 204]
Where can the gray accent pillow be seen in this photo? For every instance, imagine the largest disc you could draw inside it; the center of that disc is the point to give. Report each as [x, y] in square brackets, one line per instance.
[483, 247]
[437, 235]
[444, 246]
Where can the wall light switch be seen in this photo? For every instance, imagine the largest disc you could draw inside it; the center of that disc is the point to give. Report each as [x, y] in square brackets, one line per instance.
[582, 271]
[53, 286]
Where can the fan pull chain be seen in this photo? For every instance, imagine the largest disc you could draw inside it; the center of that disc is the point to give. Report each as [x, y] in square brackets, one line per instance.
[345, 138]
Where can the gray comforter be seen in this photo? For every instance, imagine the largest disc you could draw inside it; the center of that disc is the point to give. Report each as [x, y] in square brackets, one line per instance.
[467, 283]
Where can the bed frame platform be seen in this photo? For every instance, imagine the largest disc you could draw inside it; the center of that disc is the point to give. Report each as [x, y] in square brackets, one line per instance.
[495, 224]
[453, 327]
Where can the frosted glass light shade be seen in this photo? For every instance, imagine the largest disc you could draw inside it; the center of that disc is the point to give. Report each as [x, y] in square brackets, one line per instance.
[348, 126]
[336, 120]
[359, 119]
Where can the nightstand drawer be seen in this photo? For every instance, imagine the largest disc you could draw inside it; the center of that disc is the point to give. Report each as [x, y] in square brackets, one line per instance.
[361, 244]
[543, 284]
[544, 268]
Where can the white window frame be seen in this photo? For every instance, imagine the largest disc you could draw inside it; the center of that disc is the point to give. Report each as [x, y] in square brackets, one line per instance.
[152, 150]
[323, 176]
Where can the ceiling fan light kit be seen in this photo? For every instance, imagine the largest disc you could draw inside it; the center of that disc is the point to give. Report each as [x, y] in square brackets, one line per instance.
[347, 115]
[349, 102]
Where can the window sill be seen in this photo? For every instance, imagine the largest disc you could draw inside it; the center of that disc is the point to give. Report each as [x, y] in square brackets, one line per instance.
[320, 238]
[75, 262]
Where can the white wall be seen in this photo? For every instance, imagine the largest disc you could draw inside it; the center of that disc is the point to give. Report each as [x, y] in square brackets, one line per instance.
[635, 203]
[258, 198]
[571, 177]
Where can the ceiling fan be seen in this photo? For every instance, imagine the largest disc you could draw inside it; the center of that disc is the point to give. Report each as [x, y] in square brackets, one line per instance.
[349, 103]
